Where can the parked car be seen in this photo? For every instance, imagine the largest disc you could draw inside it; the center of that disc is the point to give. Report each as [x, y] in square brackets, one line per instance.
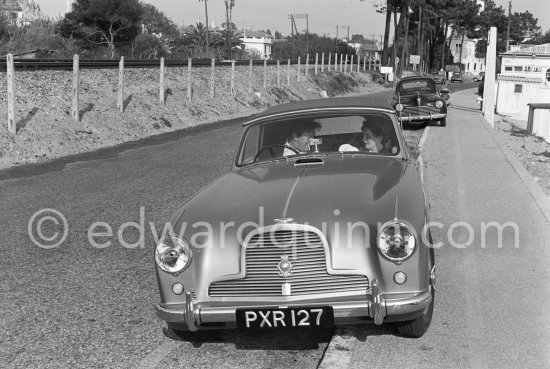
[480, 78]
[439, 77]
[457, 77]
[417, 100]
[268, 245]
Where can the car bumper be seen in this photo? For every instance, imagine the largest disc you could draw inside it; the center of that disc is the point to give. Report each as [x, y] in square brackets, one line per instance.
[417, 118]
[375, 306]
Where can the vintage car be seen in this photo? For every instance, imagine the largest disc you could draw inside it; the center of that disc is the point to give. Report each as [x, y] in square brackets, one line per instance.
[457, 77]
[332, 235]
[417, 100]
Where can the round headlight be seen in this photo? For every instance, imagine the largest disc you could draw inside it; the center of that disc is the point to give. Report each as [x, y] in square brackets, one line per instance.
[173, 254]
[439, 104]
[397, 241]
[399, 107]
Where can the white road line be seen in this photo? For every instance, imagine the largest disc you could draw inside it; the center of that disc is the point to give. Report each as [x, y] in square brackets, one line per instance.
[152, 360]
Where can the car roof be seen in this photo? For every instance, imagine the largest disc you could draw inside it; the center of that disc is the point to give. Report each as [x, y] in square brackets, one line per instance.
[333, 103]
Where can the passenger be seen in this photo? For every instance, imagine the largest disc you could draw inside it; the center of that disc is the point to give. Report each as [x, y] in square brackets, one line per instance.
[374, 138]
[299, 137]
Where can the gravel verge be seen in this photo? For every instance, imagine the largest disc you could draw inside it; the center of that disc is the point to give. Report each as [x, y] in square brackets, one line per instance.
[532, 151]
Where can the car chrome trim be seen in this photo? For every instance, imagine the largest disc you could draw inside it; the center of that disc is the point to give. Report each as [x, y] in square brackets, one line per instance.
[378, 304]
[375, 306]
[192, 313]
[422, 117]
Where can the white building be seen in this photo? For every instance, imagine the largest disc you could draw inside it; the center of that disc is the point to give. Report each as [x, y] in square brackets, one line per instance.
[471, 63]
[257, 42]
[525, 79]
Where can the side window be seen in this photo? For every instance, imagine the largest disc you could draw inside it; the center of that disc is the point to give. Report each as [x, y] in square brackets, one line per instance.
[250, 145]
[518, 88]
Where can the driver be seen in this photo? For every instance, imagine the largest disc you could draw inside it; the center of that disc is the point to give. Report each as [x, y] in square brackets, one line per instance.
[299, 137]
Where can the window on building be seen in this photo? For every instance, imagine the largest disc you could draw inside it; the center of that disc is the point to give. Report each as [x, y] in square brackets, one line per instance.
[518, 89]
[508, 69]
[518, 68]
[475, 66]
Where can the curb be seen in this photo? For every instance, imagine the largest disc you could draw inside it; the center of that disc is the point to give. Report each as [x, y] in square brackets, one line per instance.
[542, 201]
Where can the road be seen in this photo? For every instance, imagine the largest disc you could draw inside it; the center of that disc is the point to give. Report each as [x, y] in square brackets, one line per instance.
[82, 306]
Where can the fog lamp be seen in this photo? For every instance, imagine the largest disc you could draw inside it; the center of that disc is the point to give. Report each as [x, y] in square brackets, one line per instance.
[399, 107]
[400, 278]
[177, 288]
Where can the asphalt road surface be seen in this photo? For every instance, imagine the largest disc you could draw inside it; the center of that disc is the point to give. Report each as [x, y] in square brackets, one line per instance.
[76, 305]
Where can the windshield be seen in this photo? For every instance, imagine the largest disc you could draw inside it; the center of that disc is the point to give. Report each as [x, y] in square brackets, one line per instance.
[423, 85]
[371, 134]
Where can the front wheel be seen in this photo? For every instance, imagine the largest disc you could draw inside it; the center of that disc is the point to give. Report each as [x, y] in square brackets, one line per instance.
[443, 122]
[417, 327]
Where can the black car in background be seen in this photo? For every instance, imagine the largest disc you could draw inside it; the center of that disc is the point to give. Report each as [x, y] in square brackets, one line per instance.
[417, 100]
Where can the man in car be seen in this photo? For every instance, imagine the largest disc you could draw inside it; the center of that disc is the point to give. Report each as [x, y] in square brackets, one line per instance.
[301, 132]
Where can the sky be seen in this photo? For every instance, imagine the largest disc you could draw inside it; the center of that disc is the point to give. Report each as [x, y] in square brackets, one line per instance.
[325, 17]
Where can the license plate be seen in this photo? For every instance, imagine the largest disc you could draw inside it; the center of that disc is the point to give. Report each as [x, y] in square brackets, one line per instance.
[284, 317]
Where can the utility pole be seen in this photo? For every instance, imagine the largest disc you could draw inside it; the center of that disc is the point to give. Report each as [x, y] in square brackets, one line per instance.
[229, 4]
[508, 33]
[306, 17]
[348, 35]
[207, 32]
[419, 26]
[293, 27]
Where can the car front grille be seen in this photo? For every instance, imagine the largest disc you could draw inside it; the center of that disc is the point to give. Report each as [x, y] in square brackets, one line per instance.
[305, 251]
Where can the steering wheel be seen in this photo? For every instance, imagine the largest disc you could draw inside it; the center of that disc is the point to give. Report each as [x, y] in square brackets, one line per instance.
[270, 148]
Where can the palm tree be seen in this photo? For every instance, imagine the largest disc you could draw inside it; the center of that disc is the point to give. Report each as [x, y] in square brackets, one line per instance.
[197, 38]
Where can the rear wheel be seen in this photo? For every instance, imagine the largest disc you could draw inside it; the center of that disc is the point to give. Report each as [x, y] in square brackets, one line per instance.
[417, 327]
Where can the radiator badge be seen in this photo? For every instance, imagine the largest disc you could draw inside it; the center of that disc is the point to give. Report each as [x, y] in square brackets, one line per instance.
[284, 266]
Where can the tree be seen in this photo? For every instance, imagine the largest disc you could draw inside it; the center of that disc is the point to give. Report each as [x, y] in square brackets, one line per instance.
[105, 22]
[157, 24]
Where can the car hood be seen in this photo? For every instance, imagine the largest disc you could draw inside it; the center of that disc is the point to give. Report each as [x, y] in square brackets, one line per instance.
[345, 198]
[354, 188]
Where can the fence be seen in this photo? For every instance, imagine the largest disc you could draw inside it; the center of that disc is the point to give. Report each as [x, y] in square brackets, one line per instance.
[290, 76]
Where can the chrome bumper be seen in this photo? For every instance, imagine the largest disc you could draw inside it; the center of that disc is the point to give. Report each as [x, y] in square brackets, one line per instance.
[375, 306]
[411, 117]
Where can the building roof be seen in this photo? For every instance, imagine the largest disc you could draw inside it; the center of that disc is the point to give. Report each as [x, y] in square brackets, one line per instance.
[256, 34]
[10, 6]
